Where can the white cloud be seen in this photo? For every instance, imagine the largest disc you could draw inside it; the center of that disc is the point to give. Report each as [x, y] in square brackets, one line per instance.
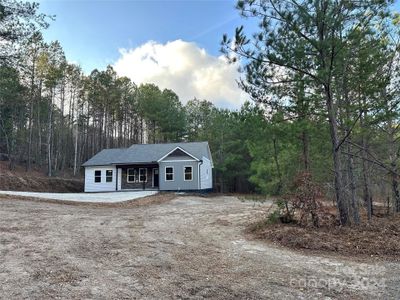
[184, 68]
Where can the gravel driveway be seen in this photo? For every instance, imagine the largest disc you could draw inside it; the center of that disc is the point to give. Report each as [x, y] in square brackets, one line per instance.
[112, 197]
[188, 247]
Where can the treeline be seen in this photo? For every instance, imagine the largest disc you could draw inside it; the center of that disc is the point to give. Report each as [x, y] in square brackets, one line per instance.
[324, 77]
[331, 68]
[53, 117]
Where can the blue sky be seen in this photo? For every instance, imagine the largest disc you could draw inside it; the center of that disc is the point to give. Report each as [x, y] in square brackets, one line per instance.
[91, 32]
[174, 44]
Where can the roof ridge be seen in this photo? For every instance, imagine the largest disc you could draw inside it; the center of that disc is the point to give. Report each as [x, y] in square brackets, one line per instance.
[168, 143]
[114, 149]
[147, 152]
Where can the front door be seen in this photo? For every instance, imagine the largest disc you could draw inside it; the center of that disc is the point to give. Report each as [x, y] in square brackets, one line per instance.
[155, 177]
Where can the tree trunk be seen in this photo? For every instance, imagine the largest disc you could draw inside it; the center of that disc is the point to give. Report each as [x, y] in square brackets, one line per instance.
[39, 128]
[61, 151]
[395, 190]
[28, 165]
[76, 149]
[366, 180]
[341, 200]
[366, 188]
[154, 132]
[49, 129]
[278, 168]
[32, 93]
[141, 131]
[353, 200]
[8, 144]
[393, 165]
[306, 152]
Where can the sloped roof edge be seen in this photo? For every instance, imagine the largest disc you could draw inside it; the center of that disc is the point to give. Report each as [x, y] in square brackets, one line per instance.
[142, 153]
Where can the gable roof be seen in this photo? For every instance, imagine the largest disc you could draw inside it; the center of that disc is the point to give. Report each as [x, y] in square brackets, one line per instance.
[178, 151]
[147, 153]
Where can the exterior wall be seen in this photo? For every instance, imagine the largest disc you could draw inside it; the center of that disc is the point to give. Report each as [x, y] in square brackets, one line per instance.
[103, 186]
[201, 175]
[180, 158]
[205, 174]
[179, 184]
[137, 185]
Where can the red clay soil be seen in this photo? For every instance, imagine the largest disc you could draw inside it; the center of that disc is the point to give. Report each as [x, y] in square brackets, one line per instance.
[379, 238]
[36, 181]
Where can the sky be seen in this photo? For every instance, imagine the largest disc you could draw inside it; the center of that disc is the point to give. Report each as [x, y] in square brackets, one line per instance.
[174, 44]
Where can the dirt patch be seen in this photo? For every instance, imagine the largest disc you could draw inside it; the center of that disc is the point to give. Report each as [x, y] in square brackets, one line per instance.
[162, 247]
[36, 181]
[13, 182]
[379, 238]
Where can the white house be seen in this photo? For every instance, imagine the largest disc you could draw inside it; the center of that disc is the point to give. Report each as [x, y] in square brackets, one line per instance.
[164, 167]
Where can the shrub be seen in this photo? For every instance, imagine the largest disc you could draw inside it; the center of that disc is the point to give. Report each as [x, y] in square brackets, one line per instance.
[304, 200]
[274, 217]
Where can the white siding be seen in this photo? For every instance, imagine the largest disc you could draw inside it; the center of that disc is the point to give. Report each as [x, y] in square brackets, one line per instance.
[119, 183]
[205, 174]
[103, 186]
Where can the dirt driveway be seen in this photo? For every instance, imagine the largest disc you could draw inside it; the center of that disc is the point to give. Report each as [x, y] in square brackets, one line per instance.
[108, 197]
[188, 247]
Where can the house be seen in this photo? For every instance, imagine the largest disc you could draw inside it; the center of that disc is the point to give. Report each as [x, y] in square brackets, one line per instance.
[164, 167]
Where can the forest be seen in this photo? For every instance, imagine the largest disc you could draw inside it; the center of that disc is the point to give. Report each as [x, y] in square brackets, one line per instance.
[323, 83]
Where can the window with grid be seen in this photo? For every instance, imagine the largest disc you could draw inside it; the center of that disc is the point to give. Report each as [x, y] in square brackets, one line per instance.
[109, 175]
[131, 175]
[169, 174]
[97, 176]
[188, 173]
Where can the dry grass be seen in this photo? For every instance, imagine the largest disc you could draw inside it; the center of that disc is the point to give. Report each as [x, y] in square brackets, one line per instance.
[379, 238]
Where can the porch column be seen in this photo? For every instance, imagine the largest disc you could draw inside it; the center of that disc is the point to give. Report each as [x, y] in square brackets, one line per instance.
[119, 172]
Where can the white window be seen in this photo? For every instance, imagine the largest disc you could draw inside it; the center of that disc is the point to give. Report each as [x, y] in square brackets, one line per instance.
[131, 175]
[169, 173]
[97, 176]
[109, 176]
[142, 175]
[188, 173]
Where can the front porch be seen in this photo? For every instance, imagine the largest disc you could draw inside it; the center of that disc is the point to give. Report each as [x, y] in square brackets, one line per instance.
[138, 177]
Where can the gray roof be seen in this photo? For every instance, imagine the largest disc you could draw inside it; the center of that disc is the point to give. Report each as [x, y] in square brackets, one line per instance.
[147, 153]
